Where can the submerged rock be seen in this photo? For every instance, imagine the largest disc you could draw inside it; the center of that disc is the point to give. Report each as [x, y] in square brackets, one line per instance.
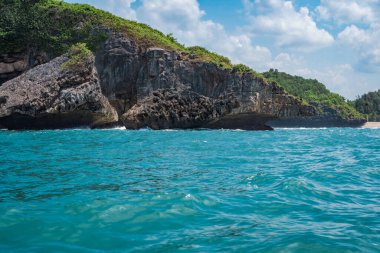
[48, 96]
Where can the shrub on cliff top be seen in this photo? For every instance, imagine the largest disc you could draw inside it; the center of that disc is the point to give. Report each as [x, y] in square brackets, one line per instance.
[206, 55]
[244, 69]
[241, 68]
[78, 55]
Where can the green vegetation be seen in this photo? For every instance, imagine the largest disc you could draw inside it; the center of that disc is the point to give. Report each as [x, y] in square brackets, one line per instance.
[369, 104]
[241, 68]
[206, 55]
[314, 93]
[244, 69]
[78, 54]
[53, 26]
[56, 27]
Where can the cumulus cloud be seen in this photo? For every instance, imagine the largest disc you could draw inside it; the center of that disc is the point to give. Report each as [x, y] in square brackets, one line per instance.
[180, 17]
[185, 20]
[348, 11]
[288, 63]
[344, 80]
[354, 36]
[362, 28]
[290, 28]
[122, 8]
[365, 42]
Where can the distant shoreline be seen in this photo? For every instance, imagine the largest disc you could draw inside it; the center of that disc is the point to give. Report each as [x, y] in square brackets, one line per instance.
[371, 125]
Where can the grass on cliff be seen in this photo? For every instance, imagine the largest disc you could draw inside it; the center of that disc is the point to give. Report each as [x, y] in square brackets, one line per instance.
[54, 26]
[314, 93]
[78, 55]
[244, 69]
[206, 55]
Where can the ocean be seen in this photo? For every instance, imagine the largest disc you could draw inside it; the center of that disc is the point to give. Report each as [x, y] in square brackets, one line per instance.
[288, 190]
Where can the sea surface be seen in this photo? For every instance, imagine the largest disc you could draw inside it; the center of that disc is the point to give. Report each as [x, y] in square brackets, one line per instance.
[289, 190]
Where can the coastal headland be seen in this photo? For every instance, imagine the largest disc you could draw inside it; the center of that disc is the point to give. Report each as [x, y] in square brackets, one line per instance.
[111, 72]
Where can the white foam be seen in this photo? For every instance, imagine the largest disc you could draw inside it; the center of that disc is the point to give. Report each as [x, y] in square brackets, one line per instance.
[118, 128]
[301, 128]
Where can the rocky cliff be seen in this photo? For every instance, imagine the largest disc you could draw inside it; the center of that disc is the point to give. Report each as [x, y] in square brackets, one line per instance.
[157, 88]
[14, 64]
[138, 76]
[147, 87]
[49, 96]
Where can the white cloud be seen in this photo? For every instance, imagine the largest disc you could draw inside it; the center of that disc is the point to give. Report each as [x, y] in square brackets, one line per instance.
[185, 20]
[362, 31]
[354, 36]
[289, 63]
[365, 42]
[123, 8]
[348, 11]
[344, 80]
[169, 15]
[290, 28]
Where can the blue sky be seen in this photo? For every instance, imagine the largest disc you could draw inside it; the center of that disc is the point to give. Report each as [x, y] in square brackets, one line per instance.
[334, 41]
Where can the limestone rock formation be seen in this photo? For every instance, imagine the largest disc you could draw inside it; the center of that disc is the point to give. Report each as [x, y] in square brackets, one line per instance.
[139, 77]
[131, 75]
[48, 96]
[176, 108]
[14, 64]
[144, 87]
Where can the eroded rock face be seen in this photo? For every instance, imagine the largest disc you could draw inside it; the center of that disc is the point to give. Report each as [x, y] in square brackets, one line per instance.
[14, 64]
[131, 74]
[49, 97]
[150, 87]
[177, 108]
[119, 62]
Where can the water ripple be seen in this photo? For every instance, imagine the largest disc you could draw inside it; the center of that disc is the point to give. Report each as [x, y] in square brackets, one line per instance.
[315, 190]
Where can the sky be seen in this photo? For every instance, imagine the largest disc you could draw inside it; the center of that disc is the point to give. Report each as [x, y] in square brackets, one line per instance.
[333, 41]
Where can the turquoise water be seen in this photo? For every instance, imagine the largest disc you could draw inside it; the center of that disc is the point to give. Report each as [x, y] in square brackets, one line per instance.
[192, 191]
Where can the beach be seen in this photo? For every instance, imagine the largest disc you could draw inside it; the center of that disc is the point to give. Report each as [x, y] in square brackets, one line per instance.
[371, 125]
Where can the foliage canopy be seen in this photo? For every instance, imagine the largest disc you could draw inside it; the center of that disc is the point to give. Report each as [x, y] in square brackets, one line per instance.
[369, 104]
[313, 92]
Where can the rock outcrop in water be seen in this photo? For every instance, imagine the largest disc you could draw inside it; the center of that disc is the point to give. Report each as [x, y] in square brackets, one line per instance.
[144, 87]
[48, 97]
[140, 77]
[157, 88]
[177, 108]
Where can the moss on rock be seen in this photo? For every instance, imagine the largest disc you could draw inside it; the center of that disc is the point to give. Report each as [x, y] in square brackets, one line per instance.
[78, 55]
